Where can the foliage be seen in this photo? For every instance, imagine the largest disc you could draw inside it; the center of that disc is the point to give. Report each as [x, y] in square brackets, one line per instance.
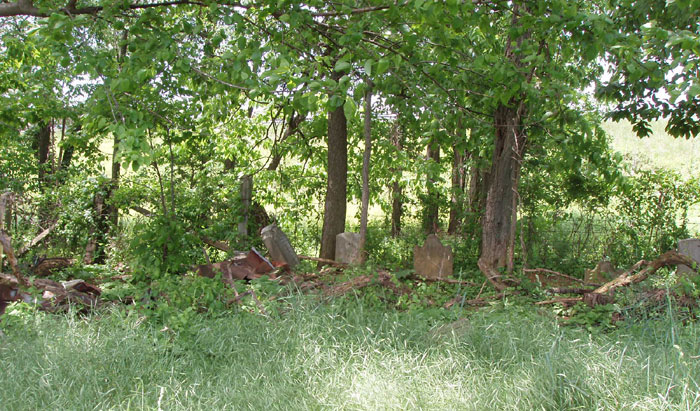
[653, 213]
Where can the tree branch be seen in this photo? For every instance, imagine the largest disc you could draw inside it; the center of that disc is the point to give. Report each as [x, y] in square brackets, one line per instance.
[27, 8]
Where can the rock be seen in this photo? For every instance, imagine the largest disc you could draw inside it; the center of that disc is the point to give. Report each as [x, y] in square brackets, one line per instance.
[279, 246]
[689, 247]
[347, 248]
[433, 260]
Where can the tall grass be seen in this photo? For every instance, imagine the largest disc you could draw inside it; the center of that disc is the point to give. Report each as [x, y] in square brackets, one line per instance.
[344, 355]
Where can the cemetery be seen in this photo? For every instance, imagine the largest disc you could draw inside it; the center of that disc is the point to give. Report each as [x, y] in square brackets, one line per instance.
[356, 204]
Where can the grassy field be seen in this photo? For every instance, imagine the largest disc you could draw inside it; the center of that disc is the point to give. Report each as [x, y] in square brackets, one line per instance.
[347, 355]
[658, 150]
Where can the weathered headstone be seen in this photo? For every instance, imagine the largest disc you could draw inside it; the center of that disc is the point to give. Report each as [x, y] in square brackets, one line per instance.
[347, 248]
[246, 191]
[278, 245]
[433, 260]
[689, 247]
[603, 272]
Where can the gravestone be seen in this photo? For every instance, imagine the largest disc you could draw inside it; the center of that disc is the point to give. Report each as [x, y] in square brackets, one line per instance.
[278, 245]
[433, 260]
[689, 247]
[603, 272]
[347, 248]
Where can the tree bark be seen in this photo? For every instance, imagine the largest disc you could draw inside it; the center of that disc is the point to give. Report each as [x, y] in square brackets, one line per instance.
[431, 218]
[365, 171]
[396, 190]
[476, 198]
[457, 192]
[336, 189]
[498, 231]
[42, 145]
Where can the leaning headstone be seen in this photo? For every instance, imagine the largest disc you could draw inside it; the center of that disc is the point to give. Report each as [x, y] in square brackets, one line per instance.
[433, 260]
[347, 248]
[279, 246]
[689, 247]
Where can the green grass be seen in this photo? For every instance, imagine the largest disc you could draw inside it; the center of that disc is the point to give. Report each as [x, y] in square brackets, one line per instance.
[346, 355]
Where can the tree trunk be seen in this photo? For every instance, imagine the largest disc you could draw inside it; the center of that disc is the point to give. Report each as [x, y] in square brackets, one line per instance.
[431, 218]
[293, 124]
[396, 191]
[42, 145]
[498, 225]
[477, 193]
[112, 209]
[457, 192]
[365, 171]
[336, 189]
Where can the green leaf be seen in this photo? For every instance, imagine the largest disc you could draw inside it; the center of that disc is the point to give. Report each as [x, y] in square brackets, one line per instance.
[383, 66]
[342, 65]
[349, 108]
[368, 67]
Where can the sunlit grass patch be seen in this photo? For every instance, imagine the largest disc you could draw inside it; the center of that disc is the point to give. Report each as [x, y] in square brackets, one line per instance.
[344, 355]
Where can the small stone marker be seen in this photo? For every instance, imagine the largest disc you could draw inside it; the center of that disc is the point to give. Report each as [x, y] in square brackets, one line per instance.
[347, 248]
[279, 246]
[433, 260]
[689, 247]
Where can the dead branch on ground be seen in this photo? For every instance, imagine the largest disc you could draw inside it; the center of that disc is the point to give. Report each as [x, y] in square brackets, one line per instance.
[555, 273]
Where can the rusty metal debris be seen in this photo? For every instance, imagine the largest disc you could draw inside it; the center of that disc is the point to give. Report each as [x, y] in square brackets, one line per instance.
[55, 296]
[242, 267]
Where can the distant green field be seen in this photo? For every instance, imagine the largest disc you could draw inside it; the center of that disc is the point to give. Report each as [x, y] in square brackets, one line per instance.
[659, 150]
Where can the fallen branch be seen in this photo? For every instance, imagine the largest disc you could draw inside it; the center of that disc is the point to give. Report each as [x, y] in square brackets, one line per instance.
[442, 280]
[143, 211]
[558, 274]
[219, 245]
[6, 244]
[565, 301]
[601, 295]
[36, 240]
[492, 274]
[323, 261]
[668, 258]
[566, 290]
[383, 278]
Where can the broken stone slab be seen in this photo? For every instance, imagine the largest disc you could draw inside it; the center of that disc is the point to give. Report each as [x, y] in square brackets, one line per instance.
[689, 247]
[347, 248]
[433, 261]
[278, 245]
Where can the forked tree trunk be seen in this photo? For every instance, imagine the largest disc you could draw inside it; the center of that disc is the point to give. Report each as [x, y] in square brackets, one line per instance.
[498, 223]
[336, 189]
[396, 190]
